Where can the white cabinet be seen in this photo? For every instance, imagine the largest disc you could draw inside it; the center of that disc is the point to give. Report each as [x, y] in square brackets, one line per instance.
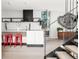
[3, 27]
[21, 26]
[35, 37]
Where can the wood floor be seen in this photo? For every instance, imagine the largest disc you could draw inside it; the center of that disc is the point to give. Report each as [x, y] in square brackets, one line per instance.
[52, 44]
[25, 52]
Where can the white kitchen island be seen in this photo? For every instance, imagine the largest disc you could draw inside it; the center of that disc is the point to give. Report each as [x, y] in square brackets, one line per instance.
[35, 38]
[31, 38]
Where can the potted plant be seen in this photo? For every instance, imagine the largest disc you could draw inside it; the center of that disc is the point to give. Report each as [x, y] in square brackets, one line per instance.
[59, 29]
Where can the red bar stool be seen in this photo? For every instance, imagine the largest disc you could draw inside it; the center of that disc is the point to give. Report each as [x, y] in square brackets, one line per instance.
[8, 37]
[18, 36]
[2, 39]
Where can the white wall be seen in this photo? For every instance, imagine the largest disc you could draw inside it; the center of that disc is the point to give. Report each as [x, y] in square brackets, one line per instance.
[56, 7]
[14, 13]
[19, 13]
[53, 27]
[37, 13]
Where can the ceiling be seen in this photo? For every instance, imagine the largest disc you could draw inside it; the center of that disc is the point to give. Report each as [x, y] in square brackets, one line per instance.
[32, 4]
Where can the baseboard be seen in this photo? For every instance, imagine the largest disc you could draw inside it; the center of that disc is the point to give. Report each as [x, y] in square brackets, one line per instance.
[34, 45]
[14, 44]
[49, 38]
[28, 45]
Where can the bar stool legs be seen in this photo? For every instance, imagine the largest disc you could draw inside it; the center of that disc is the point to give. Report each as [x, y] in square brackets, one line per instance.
[18, 37]
[5, 40]
[8, 37]
[11, 39]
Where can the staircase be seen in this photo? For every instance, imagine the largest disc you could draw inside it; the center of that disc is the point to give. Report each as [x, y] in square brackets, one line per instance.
[68, 50]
